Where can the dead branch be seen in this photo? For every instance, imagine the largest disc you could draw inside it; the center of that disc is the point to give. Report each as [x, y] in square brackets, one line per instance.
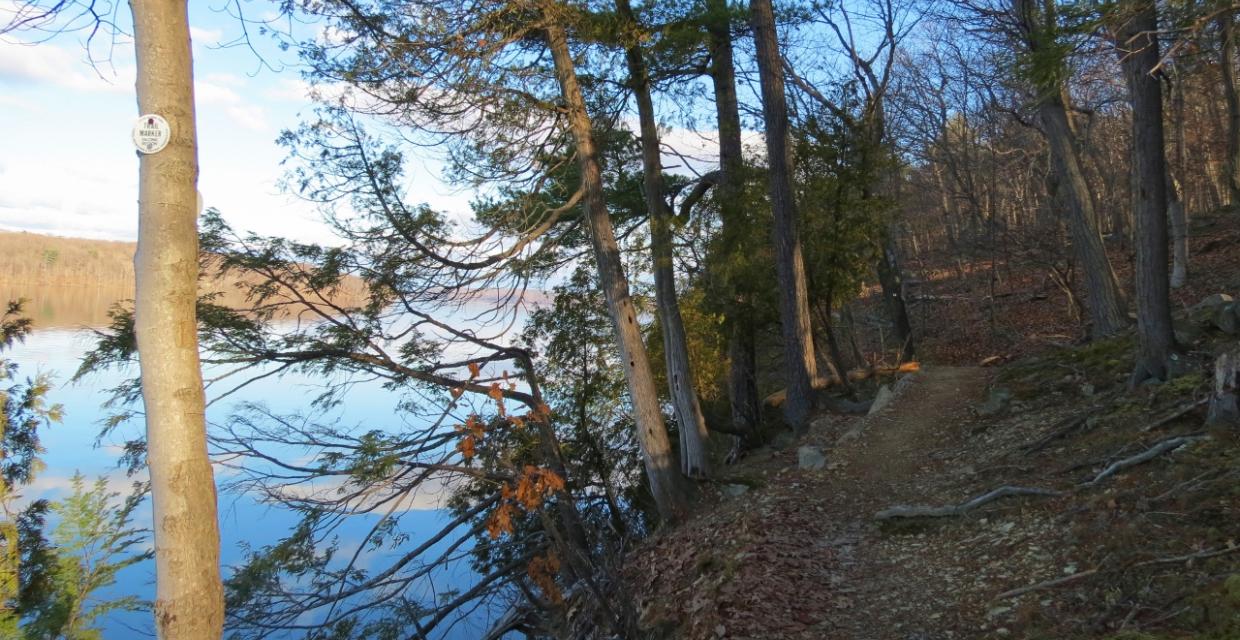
[1067, 426]
[947, 511]
[1188, 408]
[1049, 584]
[1200, 555]
[1169, 444]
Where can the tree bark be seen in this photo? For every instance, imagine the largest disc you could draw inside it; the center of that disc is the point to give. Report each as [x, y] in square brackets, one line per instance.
[189, 601]
[799, 362]
[1227, 68]
[1175, 191]
[742, 362]
[1138, 52]
[666, 485]
[680, 380]
[892, 284]
[1224, 410]
[1039, 29]
[1106, 303]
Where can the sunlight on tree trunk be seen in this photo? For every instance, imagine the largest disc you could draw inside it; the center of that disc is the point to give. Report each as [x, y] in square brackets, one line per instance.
[662, 471]
[189, 596]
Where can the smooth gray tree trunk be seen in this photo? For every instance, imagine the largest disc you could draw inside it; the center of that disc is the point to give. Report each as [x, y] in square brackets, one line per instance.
[1227, 69]
[1175, 192]
[680, 380]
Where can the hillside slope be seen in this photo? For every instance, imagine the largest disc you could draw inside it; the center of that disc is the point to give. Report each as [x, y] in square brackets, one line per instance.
[1152, 547]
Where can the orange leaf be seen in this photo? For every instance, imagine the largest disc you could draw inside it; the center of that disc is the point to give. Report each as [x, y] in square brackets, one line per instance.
[466, 447]
[474, 370]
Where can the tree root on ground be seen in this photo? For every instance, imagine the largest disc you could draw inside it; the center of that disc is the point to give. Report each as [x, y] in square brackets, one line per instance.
[947, 511]
[1170, 444]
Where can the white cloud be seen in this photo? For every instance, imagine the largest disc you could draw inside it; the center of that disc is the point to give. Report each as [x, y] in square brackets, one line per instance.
[49, 64]
[200, 35]
[220, 90]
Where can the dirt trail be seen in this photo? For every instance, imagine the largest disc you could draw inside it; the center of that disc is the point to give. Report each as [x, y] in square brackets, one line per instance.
[802, 556]
[896, 459]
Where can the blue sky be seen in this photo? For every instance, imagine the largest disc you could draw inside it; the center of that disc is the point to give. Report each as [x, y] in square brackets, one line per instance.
[67, 165]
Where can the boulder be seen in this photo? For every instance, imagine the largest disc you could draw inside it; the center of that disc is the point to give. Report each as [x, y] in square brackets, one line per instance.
[735, 490]
[810, 458]
[1227, 319]
[1204, 312]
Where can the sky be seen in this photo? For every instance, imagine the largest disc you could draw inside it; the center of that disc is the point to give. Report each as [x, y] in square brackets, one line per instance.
[67, 163]
[68, 166]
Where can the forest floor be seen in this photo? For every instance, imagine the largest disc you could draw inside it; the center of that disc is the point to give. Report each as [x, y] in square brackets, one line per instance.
[790, 551]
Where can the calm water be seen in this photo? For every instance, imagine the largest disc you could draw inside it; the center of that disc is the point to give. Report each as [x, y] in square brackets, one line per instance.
[58, 346]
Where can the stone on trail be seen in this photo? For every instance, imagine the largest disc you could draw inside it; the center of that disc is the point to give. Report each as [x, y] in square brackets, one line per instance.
[881, 400]
[810, 458]
[735, 490]
[996, 403]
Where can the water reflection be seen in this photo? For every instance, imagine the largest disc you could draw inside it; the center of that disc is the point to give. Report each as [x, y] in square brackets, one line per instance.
[68, 307]
[56, 347]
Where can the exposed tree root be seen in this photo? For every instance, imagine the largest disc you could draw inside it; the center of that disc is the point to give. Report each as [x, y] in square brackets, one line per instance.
[1200, 555]
[1188, 408]
[947, 511]
[1049, 584]
[1169, 444]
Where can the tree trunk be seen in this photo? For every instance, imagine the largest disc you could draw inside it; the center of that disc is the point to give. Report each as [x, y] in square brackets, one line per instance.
[665, 481]
[790, 268]
[893, 295]
[742, 362]
[1175, 192]
[680, 380]
[1179, 232]
[1106, 303]
[189, 600]
[1138, 51]
[1223, 400]
[1227, 67]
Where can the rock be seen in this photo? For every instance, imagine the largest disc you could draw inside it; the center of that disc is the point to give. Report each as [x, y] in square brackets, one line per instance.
[1087, 389]
[734, 490]
[1227, 320]
[810, 458]
[783, 440]
[821, 422]
[881, 400]
[1204, 312]
[996, 403]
